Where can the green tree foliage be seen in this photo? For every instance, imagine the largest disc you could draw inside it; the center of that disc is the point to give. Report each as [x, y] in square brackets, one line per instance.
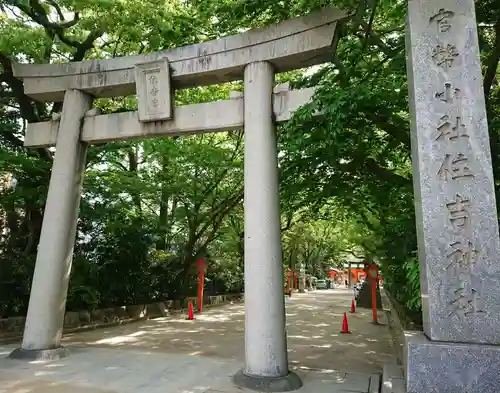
[355, 157]
[150, 209]
[358, 151]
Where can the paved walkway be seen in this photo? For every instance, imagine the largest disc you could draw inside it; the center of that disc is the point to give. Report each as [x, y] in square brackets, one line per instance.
[175, 355]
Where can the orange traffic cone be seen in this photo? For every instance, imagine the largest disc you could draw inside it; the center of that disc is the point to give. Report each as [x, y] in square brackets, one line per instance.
[353, 306]
[190, 316]
[345, 326]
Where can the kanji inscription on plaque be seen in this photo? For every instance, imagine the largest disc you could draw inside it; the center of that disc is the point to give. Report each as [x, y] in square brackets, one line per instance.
[442, 20]
[459, 212]
[444, 55]
[455, 167]
[449, 94]
[152, 82]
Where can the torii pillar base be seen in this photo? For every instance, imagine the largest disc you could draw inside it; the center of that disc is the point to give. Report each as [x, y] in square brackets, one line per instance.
[39, 355]
[287, 383]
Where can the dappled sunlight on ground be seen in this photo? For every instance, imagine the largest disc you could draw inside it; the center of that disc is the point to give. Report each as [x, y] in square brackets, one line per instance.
[177, 355]
[203, 336]
[21, 386]
[314, 340]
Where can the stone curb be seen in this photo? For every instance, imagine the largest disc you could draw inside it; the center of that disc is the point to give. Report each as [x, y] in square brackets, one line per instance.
[393, 375]
[171, 313]
[393, 379]
[394, 325]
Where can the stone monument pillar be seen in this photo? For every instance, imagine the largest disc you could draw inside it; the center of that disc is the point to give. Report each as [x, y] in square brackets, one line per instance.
[266, 360]
[457, 227]
[302, 278]
[45, 318]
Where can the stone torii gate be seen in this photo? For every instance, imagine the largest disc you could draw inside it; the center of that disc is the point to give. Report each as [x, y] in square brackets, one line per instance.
[254, 56]
[456, 217]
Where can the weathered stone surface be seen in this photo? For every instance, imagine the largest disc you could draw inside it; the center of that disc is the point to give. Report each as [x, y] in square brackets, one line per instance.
[45, 315]
[153, 89]
[395, 327]
[393, 380]
[215, 116]
[286, 383]
[169, 304]
[90, 113]
[449, 367]
[457, 226]
[234, 95]
[163, 309]
[102, 317]
[39, 355]
[109, 315]
[137, 311]
[14, 324]
[72, 319]
[84, 317]
[156, 310]
[97, 315]
[121, 312]
[265, 334]
[291, 44]
[374, 384]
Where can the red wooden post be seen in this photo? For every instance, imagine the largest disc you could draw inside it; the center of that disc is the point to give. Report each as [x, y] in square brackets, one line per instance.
[288, 287]
[373, 273]
[201, 266]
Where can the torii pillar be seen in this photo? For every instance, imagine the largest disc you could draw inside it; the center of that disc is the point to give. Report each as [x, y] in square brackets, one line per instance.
[266, 359]
[47, 305]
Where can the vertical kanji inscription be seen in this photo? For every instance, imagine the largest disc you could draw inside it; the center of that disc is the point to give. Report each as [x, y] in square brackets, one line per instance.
[153, 91]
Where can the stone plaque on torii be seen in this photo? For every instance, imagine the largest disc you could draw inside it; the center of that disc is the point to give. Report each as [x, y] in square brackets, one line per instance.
[154, 95]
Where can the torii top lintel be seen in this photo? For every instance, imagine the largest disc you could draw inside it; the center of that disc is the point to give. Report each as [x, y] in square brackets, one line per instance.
[289, 45]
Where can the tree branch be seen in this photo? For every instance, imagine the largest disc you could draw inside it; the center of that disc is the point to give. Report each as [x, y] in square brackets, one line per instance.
[37, 12]
[368, 28]
[492, 64]
[58, 9]
[26, 107]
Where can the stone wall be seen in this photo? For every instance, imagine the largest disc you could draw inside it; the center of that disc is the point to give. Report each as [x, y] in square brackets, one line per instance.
[397, 323]
[11, 328]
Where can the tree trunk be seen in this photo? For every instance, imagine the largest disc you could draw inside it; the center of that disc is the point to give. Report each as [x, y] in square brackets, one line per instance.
[133, 166]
